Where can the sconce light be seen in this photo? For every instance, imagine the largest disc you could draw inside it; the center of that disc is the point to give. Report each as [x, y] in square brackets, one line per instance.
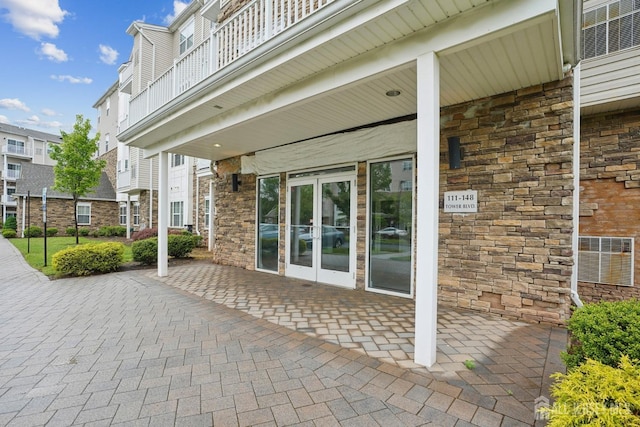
[456, 153]
[235, 182]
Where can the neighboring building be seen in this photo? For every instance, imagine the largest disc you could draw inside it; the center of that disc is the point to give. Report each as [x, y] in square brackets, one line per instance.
[335, 119]
[97, 209]
[609, 257]
[21, 146]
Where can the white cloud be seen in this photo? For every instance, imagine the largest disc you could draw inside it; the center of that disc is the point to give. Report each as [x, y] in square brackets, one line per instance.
[34, 18]
[53, 53]
[178, 6]
[13, 104]
[108, 55]
[71, 79]
[35, 121]
[49, 112]
[4, 119]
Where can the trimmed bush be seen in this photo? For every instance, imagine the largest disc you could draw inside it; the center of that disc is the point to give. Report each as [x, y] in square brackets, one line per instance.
[144, 234]
[112, 231]
[604, 332]
[595, 394]
[52, 232]
[180, 245]
[84, 232]
[70, 231]
[84, 260]
[145, 251]
[9, 233]
[11, 223]
[33, 231]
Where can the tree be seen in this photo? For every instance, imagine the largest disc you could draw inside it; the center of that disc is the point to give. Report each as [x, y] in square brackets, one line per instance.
[76, 171]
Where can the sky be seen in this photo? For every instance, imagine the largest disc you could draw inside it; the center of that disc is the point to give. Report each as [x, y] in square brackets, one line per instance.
[61, 56]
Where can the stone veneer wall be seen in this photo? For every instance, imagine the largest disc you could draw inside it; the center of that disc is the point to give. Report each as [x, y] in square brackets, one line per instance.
[203, 192]
[513, 257]
[60, 214]
[610, 189]
[143, 198]
[111, 168]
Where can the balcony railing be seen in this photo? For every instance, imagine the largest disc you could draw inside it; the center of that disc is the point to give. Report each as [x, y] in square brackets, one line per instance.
[253, 25]
[11, 174]
[16, 150]
[8, 200]
[124, 179]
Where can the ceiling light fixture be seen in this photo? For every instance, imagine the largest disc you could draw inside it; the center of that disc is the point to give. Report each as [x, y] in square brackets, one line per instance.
[393, 93]
[217, 145]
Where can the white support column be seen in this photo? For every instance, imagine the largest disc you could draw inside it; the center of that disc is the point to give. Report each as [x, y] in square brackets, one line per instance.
[427, 206]
[163, 213]
[128, 224]
[212, 211]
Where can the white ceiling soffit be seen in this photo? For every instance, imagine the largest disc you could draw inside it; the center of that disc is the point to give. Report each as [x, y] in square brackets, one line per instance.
[523, 55]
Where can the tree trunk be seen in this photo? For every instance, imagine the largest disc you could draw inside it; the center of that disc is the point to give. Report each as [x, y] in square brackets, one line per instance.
[75, 218]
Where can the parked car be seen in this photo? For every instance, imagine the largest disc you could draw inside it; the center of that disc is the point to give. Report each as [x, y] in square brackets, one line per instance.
[391, 232]
[331, 237]
[269, 231]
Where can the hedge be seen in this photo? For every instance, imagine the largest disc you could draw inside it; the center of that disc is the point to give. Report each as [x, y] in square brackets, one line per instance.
[146, 251]
[88, 259]
[11, 222]
[604, 332]
[33, 231]
[9, 233]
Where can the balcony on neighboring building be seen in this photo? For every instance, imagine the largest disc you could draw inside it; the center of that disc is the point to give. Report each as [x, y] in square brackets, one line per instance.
[250, 27]
[8, 200]
[17, 151]
[125, 77]
[11, 174]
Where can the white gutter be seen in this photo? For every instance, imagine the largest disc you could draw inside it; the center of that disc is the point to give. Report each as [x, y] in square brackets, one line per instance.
[576, 185]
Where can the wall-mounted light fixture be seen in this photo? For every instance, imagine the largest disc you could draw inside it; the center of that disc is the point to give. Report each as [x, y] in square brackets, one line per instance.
[456, 153]
[235, 182]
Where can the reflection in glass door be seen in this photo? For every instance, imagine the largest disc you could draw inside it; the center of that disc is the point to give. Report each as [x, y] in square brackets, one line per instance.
[321, 242]
[390, 224]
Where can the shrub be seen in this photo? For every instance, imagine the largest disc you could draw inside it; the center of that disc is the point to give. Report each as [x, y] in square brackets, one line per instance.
[144, 234]
[180, 245]
[87, 259]
[9, 233]
[145, 251]
[33, 231]
[604, 332]
[84, 232]
[11, 223]
[596, 394]
[70, 231]
[52, 232]
[112, 231]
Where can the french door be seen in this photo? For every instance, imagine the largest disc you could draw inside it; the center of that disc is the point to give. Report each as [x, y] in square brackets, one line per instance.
[320, 237]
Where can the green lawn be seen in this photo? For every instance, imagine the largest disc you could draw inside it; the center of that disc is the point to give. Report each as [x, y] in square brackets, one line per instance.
[35, 256]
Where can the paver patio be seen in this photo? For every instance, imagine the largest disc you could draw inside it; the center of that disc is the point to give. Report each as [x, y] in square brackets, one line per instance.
[225, 346]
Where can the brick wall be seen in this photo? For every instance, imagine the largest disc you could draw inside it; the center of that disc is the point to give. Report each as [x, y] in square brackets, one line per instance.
[610, 189]
[60, 214]
[514, 256]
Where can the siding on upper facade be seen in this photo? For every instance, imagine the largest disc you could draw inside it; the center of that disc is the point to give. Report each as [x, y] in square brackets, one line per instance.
[611, 78]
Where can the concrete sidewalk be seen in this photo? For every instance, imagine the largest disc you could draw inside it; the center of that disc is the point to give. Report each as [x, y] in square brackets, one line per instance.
[127, 349]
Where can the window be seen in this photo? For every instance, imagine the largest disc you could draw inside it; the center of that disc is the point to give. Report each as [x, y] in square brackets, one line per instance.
[15, 147]
[268, 221]
[106, 143]
[177, 160]
[405, 186]
[49, 148]
[186, 37]
[13, 170]
[407, 165]
[135, 210]
[207, 211]
[606, 260]
[123, 214]
[177, 209]
[108, 106]
[84, 213]
[11, 190]
[610, 28]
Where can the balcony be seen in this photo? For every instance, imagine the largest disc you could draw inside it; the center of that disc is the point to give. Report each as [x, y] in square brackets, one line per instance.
[125, 77]
[256, 23]
[11, 174]
[16, 151]
[128, 180]
[8, 200]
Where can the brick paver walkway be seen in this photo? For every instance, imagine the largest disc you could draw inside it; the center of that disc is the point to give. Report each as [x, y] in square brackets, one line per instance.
[127, 349]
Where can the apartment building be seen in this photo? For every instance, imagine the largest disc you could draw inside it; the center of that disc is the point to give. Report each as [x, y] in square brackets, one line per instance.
[20, 146]
[608, 259]
[449, 124]
[135, 177]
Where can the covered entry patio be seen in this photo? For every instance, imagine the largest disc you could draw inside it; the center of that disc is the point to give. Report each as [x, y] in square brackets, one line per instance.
[512, 360]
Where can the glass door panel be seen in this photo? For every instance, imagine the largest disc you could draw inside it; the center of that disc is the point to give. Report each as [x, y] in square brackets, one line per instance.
[301, 213]
[391, 219]
[336, 225]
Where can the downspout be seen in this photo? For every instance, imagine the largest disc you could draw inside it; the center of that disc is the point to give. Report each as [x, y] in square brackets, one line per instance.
[576, 185]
